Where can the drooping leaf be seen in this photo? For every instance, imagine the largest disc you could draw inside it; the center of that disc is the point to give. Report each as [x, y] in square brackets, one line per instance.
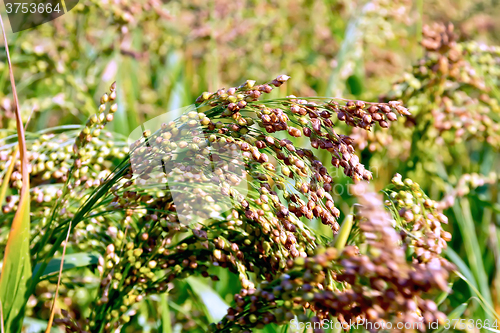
[455, 314]
[16, 270]
[70, 261]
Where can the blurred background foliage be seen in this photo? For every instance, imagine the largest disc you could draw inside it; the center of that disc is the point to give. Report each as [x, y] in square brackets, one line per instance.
[163, 54]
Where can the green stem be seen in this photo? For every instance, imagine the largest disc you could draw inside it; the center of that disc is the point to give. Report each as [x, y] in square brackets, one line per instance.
[345, 230]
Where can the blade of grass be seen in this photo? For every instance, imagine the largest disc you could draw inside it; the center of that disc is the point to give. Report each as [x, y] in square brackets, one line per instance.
[420, 9]
[13, 159]
[214, 304]
[467, 228]
[350, 50]
[496, 280]
[16, 270]
[462, 266]
[455, 314]
[166, 325]
[345, 230]
[177, 308]
[64, 6]
[214, 61]
[53, 308]
[2, 328]
[444, 295]
[487, 307]
[128, 91]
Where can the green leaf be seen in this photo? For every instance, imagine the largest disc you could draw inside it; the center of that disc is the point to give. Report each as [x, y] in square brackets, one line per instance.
[70, 261]
[485, 306]
[16, 270]
[215, 306]
[467, 228]
[462, 266]
[284, 329]
[354, 85]
[345, 230]
[166, 325]
[444, 295]
[128, 91]
[487, 203]
[455, 314]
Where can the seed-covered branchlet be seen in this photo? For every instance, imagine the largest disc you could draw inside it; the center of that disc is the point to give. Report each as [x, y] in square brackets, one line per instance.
[448, 93]
[466, 184]
[370, 281]
[421, 221]
[69, 323]
[81, 159]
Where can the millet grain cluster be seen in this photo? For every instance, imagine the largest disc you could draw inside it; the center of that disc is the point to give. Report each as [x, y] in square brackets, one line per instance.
[135, 214]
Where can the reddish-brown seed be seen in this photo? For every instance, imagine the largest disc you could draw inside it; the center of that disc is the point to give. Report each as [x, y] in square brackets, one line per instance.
[325, 114]
[383, 124]
[392, 116]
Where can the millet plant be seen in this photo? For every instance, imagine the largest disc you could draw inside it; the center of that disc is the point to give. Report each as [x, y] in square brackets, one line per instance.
[450, 145]
[223, 186]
